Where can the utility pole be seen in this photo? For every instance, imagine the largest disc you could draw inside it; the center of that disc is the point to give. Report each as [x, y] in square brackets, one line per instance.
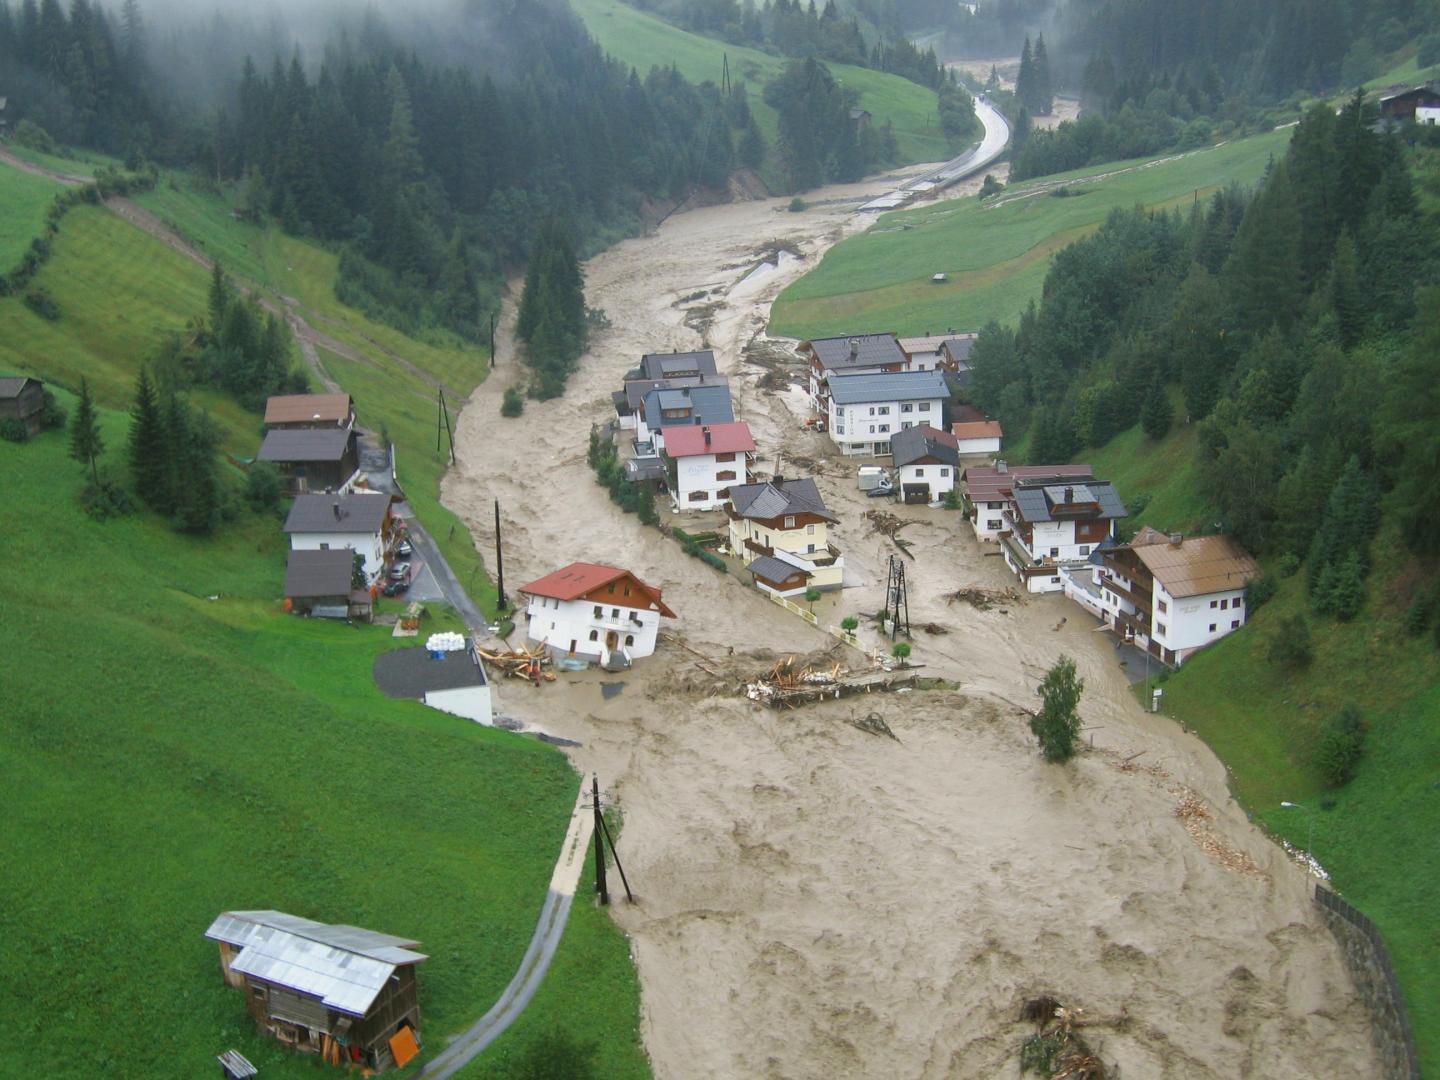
[501, 603]
[444, 416]
[599, 840]
[492, 341]
[897, 600]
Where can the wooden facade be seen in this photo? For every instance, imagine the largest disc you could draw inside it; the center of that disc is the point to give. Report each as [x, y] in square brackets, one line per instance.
[22, 400]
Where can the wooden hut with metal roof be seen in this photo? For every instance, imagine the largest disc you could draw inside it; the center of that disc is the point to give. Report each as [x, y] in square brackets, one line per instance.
[339, 991]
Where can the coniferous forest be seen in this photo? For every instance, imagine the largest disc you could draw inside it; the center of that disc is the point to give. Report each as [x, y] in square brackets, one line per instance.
[1296, 322]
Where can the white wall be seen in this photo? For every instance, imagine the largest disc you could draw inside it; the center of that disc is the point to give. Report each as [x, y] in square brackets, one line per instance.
[850, 426]
[556, 623]
[1056, 540]
[471, 702]
[990, 445]
[1187, 620]
[371, 547]
[989, 519]
[941, 478]
[1427, 114]
[700, 473]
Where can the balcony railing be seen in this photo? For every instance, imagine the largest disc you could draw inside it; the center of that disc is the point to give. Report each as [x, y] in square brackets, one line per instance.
[1140, 601]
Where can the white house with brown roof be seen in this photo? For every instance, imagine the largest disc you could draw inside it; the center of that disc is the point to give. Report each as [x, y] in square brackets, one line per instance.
[593, 612]
[1172, 594]
[703, 463]
[780, 529]
[978, 436]
[1055, 526]
[988, 491]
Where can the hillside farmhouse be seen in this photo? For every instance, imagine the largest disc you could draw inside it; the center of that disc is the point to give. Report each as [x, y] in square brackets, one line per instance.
[339, 991]
[592, 612]
[295, 412]
[322, 583]
[1172, 595]
[988, 492]
[780, 529]
[703, 462]
[1419, 103]
[1053, 526]
[928, 462]
[865, 410]
[360, 522]
[313, 459]
[23, 399]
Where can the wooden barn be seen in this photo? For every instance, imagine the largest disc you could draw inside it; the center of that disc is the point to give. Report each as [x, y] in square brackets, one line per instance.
[339, 991]
[22, 399]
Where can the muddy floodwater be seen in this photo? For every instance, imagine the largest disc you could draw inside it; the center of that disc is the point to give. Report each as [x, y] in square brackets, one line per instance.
[818, 901]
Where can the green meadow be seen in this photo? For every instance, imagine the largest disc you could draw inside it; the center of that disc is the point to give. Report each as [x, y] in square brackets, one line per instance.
[644, 41]
[995, 253]
[25, 199]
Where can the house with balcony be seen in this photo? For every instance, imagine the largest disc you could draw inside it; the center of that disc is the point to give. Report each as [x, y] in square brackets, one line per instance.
[862, 354]
[927, 461]
[671, 407]
[677, 365]
[359, 521]
[932, 351]
[592, 612]
[1171, 594]
[780, 529]
[1055, 526]
[955, 357]
[865, 410]
[629, 403]
[987, 491]
[702, 463]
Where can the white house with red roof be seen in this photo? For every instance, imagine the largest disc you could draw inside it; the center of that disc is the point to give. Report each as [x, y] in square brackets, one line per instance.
[977, 436]
[598, 613]
[702, 462]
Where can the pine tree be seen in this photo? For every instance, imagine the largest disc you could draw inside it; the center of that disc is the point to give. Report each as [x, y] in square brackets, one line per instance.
[1344, 292]
[1347, 588]
[220, 297]
[86, 443]
[1043, 103]
[148, 470]
[1025, 79]
[1157, 414]
[1343, 532]
[1264, 268]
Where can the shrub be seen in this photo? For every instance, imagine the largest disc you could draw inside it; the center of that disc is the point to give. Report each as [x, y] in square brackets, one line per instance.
[513, 403]
[52, 413]
[12, 430]
[797, 204]
[1290, 645]
[42, 303]
[104, 499]
[263, 488]
[952, 500]
[901, 652]
[1259, 591]
[1286, 565]
[991, 186]
[1342, 745]
[1057, 725]
[31, 135]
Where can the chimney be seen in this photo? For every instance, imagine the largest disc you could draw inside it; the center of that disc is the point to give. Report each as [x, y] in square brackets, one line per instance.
[854, 348]
[336, 508]
[778, 480]
[1176, 539]
[1069, 494]
[1000, 466]
[706, 432]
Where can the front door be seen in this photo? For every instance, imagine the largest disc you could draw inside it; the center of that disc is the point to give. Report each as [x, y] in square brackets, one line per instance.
[611, 640]
[572, 646]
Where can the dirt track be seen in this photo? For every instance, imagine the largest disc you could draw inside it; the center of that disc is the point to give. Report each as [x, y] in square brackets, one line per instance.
[816, 901]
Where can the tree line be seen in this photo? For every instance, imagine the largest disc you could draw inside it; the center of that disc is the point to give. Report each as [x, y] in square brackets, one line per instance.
[1297, 326]
[820, 140]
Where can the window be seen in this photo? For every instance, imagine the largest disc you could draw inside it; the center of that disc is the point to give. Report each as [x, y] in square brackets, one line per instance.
[1235, 603]
[615, 613]
[324, 547]
[594, 635]
[1214, 603]
[629, 639]
[872, 410]
[809, 549]
[1054, 552]
[1055, 581]
[1235, 625]
[994, 506]
[1224, 604]
[919, 471]
[906, 423]
[789, 523]
[839, 429]
[907, 407]
[883, 410]
[884, 428]
[599, 611]
[1161, 605]
[945, 472]
[611, 590]
[1160, 629]
[992, 523]
[1084, 549]
[728, 474]
[924, 406]
[810, 529]
[1212, 628]
[699, 496]
[872, 429]
[724, 457]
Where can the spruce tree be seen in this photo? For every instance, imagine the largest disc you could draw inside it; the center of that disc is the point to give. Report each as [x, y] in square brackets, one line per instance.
[1264, 267]
[220, 297]
[148, 470]
[1157, 413]
[1043, 103]
[1025, 79]
[86, 443]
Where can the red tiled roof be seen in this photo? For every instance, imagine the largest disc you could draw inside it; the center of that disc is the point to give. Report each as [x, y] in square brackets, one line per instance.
[978, 429]
[580, 578]
[689, 439]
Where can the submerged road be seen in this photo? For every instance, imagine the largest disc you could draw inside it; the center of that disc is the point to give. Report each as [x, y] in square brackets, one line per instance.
[997, 137]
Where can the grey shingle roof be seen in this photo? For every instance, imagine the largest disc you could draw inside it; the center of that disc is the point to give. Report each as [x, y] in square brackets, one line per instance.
[915, 443]
[412, 673]
[773, 499]
[1040, 502]
[772, 569]
[871, 350]
[338, 514]
[319, 573]
[11, 387]
[326, 444]
[710, 405]
[665, 365]
[888, 386]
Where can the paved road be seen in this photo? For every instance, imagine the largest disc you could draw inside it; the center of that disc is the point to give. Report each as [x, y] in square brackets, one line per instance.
[997, 136]
[553, 916]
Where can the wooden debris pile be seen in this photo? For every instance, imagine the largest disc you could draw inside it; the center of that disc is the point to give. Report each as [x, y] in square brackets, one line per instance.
[886, 523]
[787, 685]
[1057, 1050]
[1195, 816]
[873, 724]
[983, 599]
[521, 663]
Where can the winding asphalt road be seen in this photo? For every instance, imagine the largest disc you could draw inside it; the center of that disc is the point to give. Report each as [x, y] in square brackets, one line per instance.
[997, 137]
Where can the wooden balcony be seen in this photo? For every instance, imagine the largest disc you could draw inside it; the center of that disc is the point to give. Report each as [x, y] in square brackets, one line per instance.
[1140, 600]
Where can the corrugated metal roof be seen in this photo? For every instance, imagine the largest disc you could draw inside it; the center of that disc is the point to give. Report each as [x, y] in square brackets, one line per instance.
[665, 365]
[11, 387]
[773, 570]
[1198, 564]
[922, 441]
[774, 498]
[346, 967]
[888, 386]
[708, 404]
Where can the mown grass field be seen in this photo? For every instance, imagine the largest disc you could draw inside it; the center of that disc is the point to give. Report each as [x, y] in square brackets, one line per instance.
[24, 199]
[1376, 836]
[996, 253]
[175, 746]
[644, 41]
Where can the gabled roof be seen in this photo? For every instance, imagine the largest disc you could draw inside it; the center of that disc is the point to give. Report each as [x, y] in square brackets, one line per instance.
[581, 578]
[778, 498]
[888, 386]
[923, 441]
[413, 673]
[305, 444]
[997, 481]
[935, 342]
[773, 571]
[686, 441]
[637, 389]
[319, 573]
[958, 349]
[709, 405]
[346, 967]
[12, 387]
[1095, 500]
[1197, 565]
[303, 408]
[354, 513]
[667, 365]
[856, 350]
[978, 429]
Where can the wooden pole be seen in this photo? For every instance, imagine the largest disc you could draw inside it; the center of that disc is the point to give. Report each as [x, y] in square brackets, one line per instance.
[599, 841]
[623, 879]
[501, 603]
[492, 341]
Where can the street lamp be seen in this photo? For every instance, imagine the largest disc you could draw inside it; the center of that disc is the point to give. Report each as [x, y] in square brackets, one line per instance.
[1309, 826]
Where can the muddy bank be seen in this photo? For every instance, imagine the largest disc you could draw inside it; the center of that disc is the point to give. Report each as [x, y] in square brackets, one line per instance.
[819, 901]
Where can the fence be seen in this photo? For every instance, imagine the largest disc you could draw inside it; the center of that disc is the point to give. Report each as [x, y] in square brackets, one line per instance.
[809, 616]
[1369, 963]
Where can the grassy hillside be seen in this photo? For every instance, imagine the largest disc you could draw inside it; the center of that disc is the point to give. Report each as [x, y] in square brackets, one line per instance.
[25, 199]
[644, 41]
[1376, 836]
[995, 253]
[254, 743]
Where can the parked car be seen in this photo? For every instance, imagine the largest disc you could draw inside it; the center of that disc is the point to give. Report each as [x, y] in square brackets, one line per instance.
[395, 588]
[400, 571]
[404, 549]
[882, 488]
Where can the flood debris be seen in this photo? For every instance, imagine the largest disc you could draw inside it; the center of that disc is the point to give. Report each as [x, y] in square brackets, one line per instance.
[788, 684]
[1057, 1050]
[887, 524]
[873, 724]
[982, 598]
[521, 663]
